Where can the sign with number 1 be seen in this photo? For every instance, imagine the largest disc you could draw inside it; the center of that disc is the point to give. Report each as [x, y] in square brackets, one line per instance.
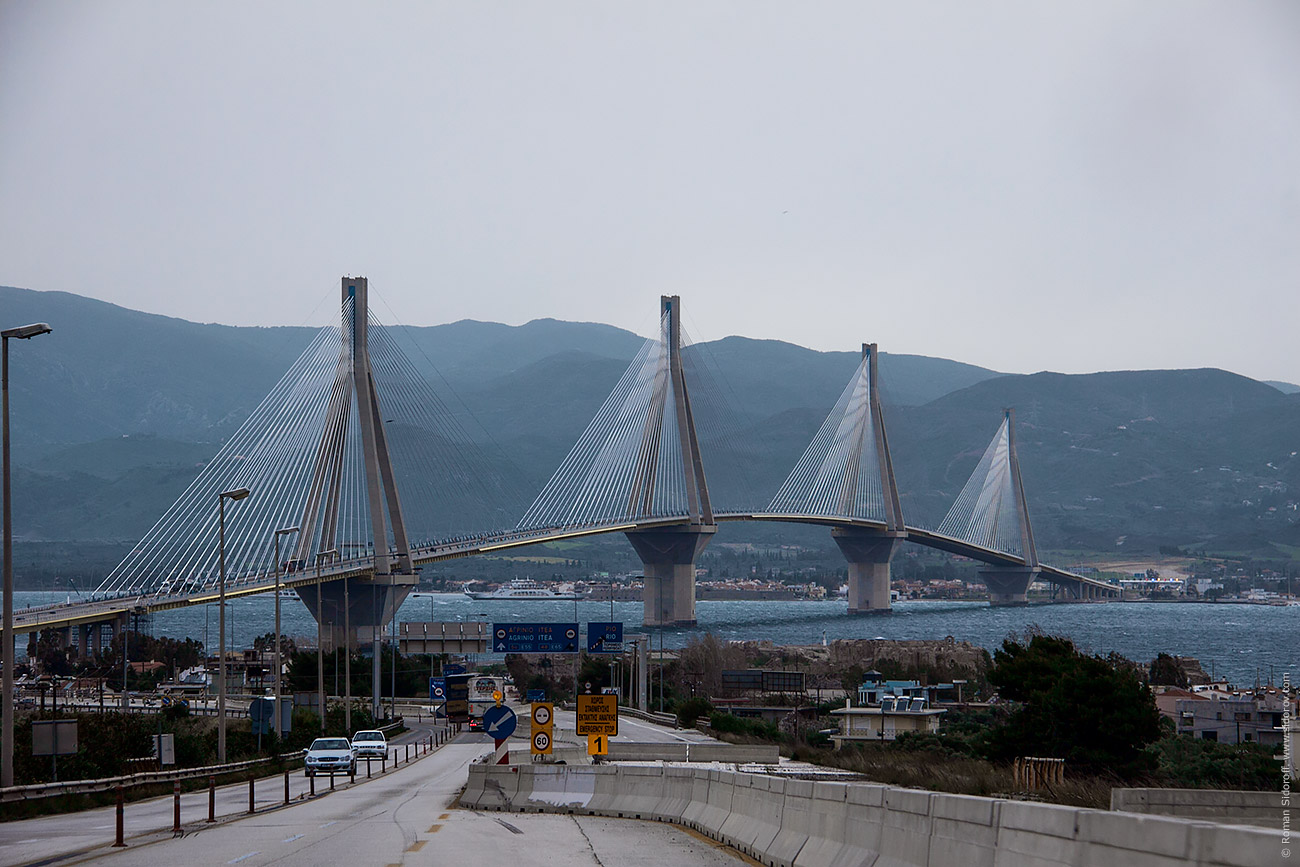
[597, 745]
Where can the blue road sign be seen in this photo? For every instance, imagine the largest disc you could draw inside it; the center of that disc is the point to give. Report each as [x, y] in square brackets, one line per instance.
[437, 689]
[453, 668]
[499, 722]
[604, 637]
[535, 695]
[535, 637]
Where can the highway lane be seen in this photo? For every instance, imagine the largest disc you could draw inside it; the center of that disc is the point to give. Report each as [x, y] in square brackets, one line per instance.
[42, 840]
[408, 818]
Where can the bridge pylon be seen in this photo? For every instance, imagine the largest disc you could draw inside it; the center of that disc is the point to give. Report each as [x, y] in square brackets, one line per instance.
[668, 553]
[992, 511]
[364, 604]
[869, 551]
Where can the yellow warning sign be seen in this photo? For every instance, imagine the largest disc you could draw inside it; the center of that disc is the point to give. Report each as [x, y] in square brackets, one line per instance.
[597, 715]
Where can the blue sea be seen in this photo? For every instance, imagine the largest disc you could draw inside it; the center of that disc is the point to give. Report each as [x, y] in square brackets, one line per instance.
[1239, 641]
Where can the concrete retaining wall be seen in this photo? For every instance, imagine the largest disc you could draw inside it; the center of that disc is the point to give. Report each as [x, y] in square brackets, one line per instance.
[797, 823]
[1252, 808]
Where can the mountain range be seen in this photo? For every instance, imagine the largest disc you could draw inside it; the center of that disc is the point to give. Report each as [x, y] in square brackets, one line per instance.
[115, 411]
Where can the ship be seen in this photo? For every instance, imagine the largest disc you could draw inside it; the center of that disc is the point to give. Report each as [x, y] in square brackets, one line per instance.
[522, 588]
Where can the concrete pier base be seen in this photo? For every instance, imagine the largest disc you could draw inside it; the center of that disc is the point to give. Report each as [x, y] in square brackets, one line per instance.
[369, 605]
[1008, 584]
[668, 557]
[868, 554]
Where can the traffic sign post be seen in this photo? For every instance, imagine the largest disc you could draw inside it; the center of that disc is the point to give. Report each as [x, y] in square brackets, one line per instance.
[605, 637]
[597, 715]
[543, 728]
[535, 638]
[500, 722]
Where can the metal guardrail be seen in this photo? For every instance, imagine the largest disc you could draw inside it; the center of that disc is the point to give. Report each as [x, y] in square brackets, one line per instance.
[666, 719]
[77, 787]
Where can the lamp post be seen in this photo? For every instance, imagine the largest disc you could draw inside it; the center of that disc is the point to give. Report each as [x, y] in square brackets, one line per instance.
[284, 531]
[235, 494]
[320, 640]
[25, 332]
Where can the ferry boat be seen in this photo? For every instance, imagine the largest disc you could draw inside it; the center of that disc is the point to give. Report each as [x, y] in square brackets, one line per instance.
[522, 588]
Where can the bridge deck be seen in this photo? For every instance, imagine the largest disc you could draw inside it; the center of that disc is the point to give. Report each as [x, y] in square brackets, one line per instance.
[97, 611]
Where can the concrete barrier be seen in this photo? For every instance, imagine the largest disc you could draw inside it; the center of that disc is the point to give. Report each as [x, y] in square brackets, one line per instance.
[641, 789]
[796, 807]
[814, 824]
[760, 754]
[1252, 808]
[693, 813]
[963, 830]
[679, 789]
[722, 786]
[905, 831]
[556, 786]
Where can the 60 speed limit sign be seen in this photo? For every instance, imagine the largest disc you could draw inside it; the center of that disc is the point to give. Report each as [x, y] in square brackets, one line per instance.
[541, 742]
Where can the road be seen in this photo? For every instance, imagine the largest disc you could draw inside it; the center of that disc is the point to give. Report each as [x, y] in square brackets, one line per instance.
[406, 817]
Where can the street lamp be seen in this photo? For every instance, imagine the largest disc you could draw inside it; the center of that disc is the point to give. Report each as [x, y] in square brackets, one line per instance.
[320, 640]
[236, 494]
[278, 669]
[25, 332]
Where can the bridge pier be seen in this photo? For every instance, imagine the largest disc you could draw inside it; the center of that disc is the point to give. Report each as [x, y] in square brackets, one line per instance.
[368, 604]
[868, 554]
[668, 557]
[1008, 584]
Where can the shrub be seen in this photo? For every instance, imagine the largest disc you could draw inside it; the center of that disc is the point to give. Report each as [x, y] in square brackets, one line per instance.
[691, 710]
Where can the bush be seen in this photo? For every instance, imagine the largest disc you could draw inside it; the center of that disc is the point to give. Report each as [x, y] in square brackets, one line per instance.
[1184, 762]
[735, 725]
[691, 710]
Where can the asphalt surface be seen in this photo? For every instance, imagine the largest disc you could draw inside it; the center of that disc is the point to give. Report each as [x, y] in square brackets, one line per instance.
[406, 816]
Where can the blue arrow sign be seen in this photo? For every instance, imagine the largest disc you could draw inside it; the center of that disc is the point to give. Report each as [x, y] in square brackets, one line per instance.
[604, 637]
[534, 638]
[499, 722]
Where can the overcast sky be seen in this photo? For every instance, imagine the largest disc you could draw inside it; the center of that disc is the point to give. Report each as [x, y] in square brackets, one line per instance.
[1024, 186]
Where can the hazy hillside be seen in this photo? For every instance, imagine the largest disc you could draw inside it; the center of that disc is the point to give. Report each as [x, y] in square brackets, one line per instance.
[1189, 457]
[115, 411]
[1284, 387]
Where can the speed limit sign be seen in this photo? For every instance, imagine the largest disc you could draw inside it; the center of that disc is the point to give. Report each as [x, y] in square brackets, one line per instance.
[541, 742]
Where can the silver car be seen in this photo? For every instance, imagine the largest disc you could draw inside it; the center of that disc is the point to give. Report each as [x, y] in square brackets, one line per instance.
[330, 756]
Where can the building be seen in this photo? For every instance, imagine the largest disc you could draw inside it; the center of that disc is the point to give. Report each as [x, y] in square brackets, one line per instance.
[1245, 718]
[885, 722]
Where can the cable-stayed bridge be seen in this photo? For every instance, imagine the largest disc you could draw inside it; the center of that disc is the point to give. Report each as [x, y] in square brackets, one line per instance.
[354, 464]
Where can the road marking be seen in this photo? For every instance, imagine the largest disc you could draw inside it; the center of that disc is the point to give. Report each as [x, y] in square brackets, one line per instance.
[417, 846]
[291, 839]
[433, 829]
[327, 824]
[440, 818]
[243, 857]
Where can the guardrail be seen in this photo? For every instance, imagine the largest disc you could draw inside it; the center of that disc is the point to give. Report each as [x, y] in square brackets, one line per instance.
[79, 787]
[666, 719]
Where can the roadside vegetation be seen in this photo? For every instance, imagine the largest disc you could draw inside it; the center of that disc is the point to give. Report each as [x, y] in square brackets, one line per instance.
[1096, 712]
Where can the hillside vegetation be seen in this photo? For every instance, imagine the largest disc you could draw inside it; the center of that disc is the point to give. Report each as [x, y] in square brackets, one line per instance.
[115, 412]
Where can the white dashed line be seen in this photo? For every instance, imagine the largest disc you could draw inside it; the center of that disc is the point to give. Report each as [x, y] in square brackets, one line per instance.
[243, 857]
[327, 824]
[291, 839]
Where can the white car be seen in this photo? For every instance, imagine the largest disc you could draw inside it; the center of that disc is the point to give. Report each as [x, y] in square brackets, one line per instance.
[329, 756]
[370, 744]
